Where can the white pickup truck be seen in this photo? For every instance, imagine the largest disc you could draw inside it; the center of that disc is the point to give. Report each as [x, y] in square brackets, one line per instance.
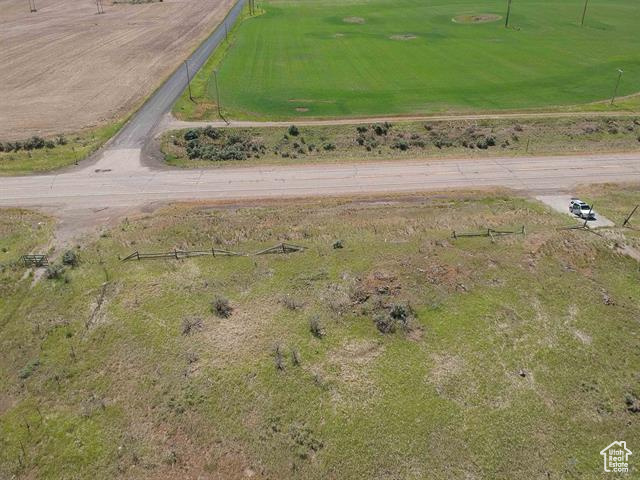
[581, 209]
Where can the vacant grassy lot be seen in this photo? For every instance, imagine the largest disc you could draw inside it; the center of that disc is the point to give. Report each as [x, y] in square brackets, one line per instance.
[380, 57]
[59, 151]
[209, 147]
[124, 370]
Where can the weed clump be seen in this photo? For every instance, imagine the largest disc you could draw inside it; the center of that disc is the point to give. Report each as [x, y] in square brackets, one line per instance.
[278, 358]
[316, 327]
[632, 402]
[221, 307]
[396, 319]
[191, 325]
[295, 357]
[291, 303]
[29, 369]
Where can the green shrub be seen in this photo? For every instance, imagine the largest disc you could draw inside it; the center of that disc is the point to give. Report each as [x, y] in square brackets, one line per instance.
[54, 272]
[382, 128]
[34, 143]
[70, 258]
[234, 139]
[294, 131]
[211, 132]
[401, 144]
[193, 149]
[400, 312]
[28, 369]
[191, 134]
[232, 152]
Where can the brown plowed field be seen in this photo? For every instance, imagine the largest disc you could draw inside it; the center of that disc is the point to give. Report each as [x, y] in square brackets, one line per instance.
[65, 68]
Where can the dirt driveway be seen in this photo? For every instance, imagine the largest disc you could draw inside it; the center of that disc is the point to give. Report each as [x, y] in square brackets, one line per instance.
[560, 203]
[66, 68]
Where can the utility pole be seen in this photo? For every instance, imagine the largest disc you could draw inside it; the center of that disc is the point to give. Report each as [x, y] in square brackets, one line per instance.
[628, 219]
[615, 92]
[215, 78]
[186, 64]
[584, 12]
[506, 22]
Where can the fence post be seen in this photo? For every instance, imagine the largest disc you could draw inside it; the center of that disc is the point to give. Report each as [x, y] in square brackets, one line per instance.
[138, 255]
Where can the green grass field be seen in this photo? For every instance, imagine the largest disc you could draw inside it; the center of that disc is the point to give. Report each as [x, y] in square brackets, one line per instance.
[301, 58]
[501, 372]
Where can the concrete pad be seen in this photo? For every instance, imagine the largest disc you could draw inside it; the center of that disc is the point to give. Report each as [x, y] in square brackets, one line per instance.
[117, 160]
[560, 203]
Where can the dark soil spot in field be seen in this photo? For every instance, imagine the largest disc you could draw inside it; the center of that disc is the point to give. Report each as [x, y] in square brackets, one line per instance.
[479, 18]
[405, 37]
[357, 20]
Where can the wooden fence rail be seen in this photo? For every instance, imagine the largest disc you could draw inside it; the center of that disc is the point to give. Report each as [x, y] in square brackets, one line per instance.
[35, 260]
[214, 252]
[490, 232]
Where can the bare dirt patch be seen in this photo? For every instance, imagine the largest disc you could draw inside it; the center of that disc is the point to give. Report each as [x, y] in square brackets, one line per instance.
[69, 68]
[405, 37]
[478, 18]
[302, 109]
[355, 20]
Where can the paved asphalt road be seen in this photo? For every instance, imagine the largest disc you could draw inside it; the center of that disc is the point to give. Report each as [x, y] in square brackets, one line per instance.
[141, 126]
[120, 180]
